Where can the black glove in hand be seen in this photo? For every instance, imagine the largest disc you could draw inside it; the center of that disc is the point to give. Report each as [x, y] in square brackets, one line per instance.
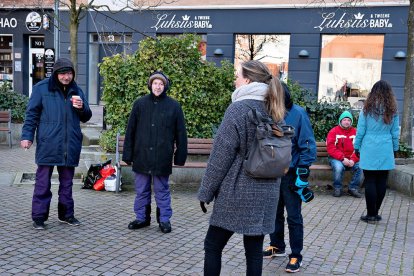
[203, 206]
[303, 172]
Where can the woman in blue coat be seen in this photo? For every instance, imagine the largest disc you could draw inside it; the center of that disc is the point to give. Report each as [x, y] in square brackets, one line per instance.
[376, 141]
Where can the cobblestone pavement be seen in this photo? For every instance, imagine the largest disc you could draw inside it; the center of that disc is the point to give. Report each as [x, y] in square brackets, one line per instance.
[336, 241]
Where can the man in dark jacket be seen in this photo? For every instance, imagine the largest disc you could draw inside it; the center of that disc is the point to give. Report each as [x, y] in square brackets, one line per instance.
[55, 110]
[303, 155]
[156, 128]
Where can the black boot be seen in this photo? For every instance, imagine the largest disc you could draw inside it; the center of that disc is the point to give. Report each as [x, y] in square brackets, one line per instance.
[137, 224]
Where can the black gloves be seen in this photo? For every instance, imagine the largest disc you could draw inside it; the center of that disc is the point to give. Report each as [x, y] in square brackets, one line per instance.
[203, 206]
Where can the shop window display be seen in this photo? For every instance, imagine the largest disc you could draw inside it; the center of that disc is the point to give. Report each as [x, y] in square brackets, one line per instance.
[6, 59]
[350, 65]
[273, 50]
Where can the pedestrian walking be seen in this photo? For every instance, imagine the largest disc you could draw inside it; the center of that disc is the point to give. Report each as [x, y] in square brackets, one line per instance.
[56, 108]
[155, 135]
[377, 140]
[242, 204]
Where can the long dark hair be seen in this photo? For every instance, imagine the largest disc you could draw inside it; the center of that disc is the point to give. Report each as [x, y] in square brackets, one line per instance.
[257, 71]
[381, 102]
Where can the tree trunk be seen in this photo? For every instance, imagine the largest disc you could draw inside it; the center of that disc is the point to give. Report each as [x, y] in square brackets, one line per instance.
[74, 42]
[407, 117]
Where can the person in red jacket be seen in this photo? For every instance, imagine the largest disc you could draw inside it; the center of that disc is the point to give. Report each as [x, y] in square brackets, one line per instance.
[340, 147]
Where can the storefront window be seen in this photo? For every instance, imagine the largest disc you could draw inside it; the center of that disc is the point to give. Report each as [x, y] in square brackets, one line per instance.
[350, 65]
[273, 50]
[6, 59]
[102, 45]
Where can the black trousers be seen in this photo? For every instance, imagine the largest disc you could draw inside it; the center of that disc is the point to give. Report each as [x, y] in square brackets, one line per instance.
[216, 240]
[375, 187]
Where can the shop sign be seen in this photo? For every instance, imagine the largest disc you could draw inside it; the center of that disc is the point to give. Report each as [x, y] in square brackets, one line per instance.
[168, 21]
[354, 21]
[49, 61]
[33, 22]
[8, 22]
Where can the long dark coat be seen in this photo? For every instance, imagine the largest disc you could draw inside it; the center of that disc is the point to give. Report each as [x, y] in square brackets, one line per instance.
[154, 125]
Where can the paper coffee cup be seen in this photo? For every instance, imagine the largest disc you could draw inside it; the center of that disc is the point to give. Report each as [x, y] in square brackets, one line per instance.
[77, 98]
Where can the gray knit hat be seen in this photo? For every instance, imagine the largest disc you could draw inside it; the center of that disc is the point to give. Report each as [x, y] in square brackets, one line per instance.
[161, 76]
[157, 76]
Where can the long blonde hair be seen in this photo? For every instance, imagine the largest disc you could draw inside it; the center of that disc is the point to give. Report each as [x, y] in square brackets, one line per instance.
[257, 71]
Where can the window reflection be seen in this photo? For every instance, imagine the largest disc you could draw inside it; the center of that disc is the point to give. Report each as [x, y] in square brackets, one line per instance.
[350, 65]
[273, 50]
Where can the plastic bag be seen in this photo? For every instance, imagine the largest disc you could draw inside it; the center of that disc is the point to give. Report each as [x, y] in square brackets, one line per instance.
[104, 173]
[94, 174]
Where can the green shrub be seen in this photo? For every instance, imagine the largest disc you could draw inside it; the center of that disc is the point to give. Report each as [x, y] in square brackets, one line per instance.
[14, 101]
[202, 88]
[323, 114]
[404, 151]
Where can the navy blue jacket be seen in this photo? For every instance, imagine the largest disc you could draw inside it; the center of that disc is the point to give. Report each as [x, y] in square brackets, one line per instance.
[303, 142]
[56, 122]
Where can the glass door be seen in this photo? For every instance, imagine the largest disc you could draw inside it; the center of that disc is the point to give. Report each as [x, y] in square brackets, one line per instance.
[36, 61]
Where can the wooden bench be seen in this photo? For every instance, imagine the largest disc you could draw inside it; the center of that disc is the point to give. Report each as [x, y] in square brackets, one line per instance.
[321, 152]
[5, 118]
[195, 146]
[198, 146]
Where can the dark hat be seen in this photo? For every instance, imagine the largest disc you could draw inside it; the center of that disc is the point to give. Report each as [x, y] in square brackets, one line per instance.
[63, 65]
[64, 70]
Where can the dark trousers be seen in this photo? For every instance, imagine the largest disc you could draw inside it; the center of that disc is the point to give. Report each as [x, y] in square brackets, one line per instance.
[293, 204]
[216, 240]
[162, 196]
[42, 194]
[375, 187]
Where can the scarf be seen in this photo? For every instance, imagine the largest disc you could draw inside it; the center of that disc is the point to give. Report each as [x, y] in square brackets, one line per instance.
[253, 91]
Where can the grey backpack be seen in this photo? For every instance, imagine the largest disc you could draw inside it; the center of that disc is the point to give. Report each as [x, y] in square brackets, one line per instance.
[270, 153]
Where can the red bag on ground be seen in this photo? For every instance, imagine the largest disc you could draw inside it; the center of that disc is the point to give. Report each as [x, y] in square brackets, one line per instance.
[104, 172]
[99, 184]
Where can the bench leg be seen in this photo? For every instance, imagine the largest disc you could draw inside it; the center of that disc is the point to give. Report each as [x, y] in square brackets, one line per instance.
[118, 179]
[10, 140]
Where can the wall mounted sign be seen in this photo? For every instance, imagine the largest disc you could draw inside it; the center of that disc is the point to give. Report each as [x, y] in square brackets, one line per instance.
[49, 61]
[33, 22]
[8, 22]
[172, 21]
[354, 21]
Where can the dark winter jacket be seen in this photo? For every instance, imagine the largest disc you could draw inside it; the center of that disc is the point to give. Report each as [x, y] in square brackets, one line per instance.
[56, 122]
[154, 125]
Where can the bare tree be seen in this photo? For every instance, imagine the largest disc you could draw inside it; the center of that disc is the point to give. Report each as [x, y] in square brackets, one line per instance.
[78, 9]
[249, 46]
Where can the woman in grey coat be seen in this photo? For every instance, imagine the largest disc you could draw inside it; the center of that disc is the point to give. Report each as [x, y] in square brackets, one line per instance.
[242, 204]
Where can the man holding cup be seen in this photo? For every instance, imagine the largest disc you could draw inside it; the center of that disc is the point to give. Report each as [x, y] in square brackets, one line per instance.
[56, 108]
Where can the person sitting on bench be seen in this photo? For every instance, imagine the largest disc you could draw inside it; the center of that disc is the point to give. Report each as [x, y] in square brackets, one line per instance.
[340, 148]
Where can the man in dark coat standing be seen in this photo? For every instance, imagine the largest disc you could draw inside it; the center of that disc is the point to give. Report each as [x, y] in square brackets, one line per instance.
[155, 124]
[55, 110]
